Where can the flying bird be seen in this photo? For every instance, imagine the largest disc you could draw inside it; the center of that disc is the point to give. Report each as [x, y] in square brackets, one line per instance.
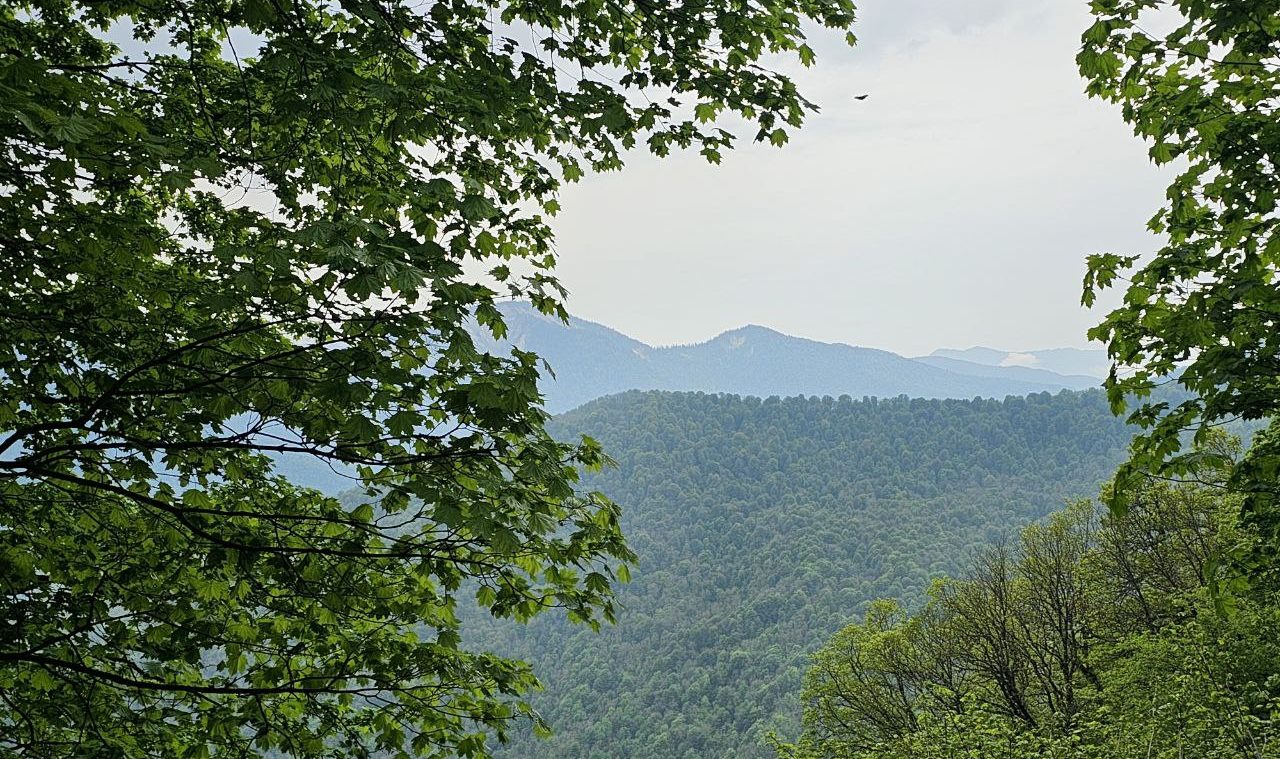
[860, 97]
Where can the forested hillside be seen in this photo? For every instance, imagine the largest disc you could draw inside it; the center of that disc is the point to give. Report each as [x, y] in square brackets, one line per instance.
[764, 526]
[1090, 637]
[591, 360]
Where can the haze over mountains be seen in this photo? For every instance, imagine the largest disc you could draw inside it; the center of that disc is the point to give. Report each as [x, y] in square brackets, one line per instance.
[591, 360]
[1057, 361]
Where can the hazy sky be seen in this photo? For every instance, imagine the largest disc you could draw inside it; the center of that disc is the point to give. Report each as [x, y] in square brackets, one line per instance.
[953, 207]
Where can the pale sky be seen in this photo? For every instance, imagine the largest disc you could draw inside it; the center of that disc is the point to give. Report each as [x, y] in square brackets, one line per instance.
[953, 207]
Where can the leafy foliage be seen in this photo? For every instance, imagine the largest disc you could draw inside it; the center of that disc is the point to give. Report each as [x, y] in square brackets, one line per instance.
[764, 526]
[239, 229]
[1204, 307]
[1085, 639]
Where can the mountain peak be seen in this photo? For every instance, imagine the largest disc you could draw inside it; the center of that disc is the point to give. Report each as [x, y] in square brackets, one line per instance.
[750, 331]
[591, 360]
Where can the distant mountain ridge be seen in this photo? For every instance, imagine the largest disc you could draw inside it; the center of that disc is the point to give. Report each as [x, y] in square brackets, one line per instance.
[1010, 371]
[590, 360]
[1068, 361]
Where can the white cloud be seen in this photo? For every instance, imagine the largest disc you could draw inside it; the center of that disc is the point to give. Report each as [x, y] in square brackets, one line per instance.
[954, 205]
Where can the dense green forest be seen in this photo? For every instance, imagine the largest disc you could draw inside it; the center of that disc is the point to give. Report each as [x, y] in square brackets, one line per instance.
[764, 526]
[244, 238]
[1089, 637]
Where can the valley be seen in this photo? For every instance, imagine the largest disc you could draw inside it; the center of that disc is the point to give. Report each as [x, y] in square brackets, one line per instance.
[763, 527]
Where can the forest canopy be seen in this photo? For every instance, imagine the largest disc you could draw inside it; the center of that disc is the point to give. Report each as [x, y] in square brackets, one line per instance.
[763, 527]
